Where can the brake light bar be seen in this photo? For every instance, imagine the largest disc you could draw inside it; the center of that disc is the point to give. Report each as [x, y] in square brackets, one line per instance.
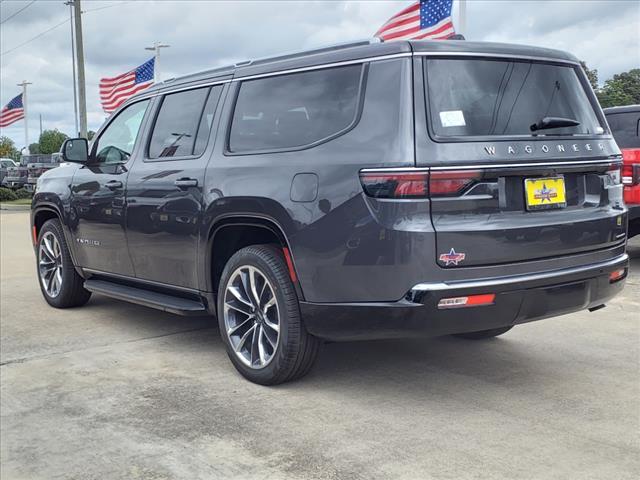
[407, 183]
[468, 301]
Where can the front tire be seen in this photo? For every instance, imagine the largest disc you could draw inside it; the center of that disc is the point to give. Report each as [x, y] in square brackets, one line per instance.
[59, 282]
[259, 318]
[482, 334]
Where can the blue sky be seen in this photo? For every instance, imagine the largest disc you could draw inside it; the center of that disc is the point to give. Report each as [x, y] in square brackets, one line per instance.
[203, 34]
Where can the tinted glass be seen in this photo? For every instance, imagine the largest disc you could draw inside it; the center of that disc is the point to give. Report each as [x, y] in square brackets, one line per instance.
[116, 142]
[624, 127]
[470, 97]
[207, 120]
[294, 110]
[174, 133]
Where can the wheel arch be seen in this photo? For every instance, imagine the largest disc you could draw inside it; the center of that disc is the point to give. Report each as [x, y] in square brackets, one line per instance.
[229, 234]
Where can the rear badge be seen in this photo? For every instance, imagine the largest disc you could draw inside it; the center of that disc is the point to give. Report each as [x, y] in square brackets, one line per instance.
[452, 258]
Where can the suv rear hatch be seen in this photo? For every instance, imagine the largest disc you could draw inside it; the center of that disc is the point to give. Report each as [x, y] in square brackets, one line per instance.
[524, 169]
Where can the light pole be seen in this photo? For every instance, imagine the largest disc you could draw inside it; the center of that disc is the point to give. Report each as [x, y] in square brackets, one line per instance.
[156, 68]
[26, 116]
[82, 92]
[73, 68]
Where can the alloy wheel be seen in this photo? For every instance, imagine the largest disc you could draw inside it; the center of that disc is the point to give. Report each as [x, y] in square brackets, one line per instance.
[50, 264]
[251, 316]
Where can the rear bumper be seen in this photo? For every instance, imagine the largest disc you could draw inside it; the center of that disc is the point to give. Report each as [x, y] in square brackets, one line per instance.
[519, 299]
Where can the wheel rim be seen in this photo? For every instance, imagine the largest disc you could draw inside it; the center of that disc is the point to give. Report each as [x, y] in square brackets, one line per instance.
[50, 264]
[251, 317]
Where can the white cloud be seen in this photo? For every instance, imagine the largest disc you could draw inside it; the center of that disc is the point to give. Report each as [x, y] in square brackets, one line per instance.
[205, 34]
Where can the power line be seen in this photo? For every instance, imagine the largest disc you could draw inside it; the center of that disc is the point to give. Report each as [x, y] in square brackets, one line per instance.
[23, 8]
[36, 37]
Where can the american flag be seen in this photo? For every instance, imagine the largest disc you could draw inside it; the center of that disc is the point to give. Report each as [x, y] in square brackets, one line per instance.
[115, 91]
[423, 19]
[12, 112]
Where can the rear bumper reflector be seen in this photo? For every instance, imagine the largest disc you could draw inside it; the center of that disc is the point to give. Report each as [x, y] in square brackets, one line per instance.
[468, 301]
[617, 275]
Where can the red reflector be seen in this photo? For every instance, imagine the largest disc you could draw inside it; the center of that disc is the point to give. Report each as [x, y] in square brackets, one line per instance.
[287, 259]
[452, 182]
[618, 274]
[34, 235]
[469, 301]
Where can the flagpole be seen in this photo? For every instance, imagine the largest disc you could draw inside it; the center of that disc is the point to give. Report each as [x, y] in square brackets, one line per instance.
[156, 65]
[462, 17]
[24, 108]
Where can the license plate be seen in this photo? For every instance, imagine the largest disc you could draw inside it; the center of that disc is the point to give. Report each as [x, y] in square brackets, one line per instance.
[544, 193]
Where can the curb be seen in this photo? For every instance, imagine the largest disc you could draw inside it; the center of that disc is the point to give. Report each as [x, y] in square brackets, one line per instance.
[16, 208]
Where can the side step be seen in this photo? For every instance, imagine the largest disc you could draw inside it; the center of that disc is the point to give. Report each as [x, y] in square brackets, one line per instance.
[160, 301]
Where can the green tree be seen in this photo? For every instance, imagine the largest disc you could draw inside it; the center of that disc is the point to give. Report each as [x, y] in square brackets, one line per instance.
[90, 134]
[34, 148]
[592, 75]
[51, 141]
[622, 89]
[8, 148]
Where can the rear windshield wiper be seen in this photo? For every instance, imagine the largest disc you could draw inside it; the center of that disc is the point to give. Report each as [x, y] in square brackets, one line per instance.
[554, 122]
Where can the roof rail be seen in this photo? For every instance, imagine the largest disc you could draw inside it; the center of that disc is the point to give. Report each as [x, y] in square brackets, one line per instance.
[297, 53]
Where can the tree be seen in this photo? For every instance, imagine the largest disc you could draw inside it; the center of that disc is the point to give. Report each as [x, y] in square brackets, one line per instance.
[90, 134]
[51, 141]
[592, 75]
[34, 148]
[8, 148]
[622, 89]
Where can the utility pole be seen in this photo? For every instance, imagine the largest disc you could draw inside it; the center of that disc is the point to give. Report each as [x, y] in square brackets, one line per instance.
[462, 16]
[26, 116]
[40, 125]
[156, 48]
[73, 68]
[82, 93]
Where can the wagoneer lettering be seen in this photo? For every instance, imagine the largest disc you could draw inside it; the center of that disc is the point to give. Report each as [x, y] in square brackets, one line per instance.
[354, 192]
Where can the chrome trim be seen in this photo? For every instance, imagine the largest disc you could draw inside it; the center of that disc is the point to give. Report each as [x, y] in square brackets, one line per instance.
[494, 55]
[323, 66]
[140, 280]
[461, 284]
[395, 169]
[181, 89]
[528, 164]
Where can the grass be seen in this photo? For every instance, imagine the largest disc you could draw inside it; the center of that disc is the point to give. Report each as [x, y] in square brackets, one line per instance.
[20, 201]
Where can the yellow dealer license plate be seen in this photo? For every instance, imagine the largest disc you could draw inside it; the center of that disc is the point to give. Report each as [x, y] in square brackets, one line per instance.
[543, 193]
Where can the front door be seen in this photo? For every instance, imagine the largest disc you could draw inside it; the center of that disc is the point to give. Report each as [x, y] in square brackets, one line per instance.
[98, 195]
[164, 189]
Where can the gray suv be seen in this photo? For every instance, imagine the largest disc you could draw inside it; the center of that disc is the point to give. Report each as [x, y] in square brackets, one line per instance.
[363, 191]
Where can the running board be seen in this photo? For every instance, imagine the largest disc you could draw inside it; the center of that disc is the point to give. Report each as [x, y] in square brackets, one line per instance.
[159, 301]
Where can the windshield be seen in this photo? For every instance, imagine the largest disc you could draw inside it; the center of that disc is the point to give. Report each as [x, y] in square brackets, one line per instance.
[472, 97]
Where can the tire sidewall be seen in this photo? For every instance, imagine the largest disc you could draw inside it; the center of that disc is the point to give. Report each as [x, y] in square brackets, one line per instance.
[53, 226]
[289, 316]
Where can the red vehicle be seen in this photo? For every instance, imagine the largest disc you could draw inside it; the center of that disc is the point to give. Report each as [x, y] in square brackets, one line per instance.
[625, 127]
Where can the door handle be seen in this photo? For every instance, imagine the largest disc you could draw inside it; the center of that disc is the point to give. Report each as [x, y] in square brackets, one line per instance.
[113, 184]
[186, 182]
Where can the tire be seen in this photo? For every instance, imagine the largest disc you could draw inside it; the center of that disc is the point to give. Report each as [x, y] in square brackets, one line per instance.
[56, 258]
[482, 334]
[257, 359]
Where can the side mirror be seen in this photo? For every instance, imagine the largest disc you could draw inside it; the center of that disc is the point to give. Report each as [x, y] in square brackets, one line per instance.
[75, 150]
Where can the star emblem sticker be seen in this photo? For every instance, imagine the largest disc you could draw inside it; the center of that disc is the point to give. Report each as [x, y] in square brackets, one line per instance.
[452, 258]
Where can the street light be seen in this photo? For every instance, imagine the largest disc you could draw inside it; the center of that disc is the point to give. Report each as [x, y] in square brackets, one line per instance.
[156, 48]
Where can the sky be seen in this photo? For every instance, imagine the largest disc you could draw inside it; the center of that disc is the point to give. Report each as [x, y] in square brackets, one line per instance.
[208, 33]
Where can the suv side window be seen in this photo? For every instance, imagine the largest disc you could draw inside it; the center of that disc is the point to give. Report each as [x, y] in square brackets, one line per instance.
[118, 139]
[183, 123]
[624, 127]
[295, 110]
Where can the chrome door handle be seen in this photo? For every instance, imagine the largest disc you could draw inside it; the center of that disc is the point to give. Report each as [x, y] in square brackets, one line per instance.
[186, 182]
[113, 184]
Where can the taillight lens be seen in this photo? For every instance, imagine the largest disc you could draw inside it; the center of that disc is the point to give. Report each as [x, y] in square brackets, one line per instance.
[395, 184]
[450, 183]
[631, 166]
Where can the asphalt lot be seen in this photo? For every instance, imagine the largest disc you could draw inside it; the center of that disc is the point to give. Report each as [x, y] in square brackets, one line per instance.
[113, 390]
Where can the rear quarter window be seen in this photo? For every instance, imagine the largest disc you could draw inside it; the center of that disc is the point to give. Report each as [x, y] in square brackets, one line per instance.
[624, 128]
[472, 97]
[295, 110]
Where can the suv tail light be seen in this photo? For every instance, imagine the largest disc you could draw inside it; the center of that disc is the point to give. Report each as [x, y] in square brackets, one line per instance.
[383, 183]
[631, 166]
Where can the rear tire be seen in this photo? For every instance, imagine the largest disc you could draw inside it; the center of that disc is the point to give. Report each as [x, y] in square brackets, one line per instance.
[259, 318]
[59, 282]
[483, 334]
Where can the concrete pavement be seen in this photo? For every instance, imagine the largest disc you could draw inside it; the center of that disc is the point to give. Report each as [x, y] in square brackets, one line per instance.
[113, 390]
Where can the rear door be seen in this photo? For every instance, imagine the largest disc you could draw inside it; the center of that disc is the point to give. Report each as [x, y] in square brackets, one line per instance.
[503, 190]
[164, 189]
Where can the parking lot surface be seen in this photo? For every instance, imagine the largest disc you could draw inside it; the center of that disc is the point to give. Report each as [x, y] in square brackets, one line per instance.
[114, 390]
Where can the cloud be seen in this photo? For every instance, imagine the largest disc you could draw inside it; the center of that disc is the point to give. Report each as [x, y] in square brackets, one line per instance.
[206, 34]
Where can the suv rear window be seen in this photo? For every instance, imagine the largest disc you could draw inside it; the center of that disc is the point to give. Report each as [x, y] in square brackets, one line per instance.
[624, 128]
[473, 97]
[295, 110]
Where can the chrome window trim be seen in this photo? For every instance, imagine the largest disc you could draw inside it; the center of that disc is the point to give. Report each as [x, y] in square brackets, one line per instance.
[498, 281]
